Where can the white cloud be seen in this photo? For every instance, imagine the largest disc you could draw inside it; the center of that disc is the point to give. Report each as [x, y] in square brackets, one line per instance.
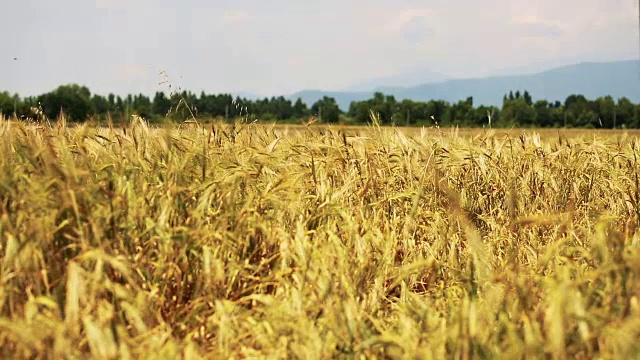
[286, 45]
[532, 26]
[236, 16]
[111, 4]
[418, 30]
[399, 21]
[130, 72]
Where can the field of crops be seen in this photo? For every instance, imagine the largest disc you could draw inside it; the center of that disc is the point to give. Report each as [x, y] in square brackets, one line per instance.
[250, 241]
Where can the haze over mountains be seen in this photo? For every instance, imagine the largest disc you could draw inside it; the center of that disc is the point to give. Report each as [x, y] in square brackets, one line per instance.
[591, 79]
[409, 78]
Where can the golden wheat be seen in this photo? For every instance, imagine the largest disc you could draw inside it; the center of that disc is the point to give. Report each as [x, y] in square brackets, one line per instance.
[305, 242]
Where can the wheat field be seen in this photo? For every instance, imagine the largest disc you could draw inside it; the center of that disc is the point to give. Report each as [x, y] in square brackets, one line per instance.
[254, 241]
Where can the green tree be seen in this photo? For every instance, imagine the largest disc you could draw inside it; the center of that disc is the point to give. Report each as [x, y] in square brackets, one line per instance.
[359, 110]
[605, 107]
[437, 109]
[625, 113]
[574, 106]
[385, 106]
[282, 108]
[404, 112]
[557, 116]
[8, 103]
[99, 105]
[482, 113]
[527, 98]
[462, 113]
[161, 104]
[74, 100]
[517, 113]
[543, 113]
[142, 105]
[300, 109]
[388, 109]
[327, 109]
[588, 119]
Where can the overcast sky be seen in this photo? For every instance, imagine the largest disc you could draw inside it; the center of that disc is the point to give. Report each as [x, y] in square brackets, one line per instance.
[281, 46]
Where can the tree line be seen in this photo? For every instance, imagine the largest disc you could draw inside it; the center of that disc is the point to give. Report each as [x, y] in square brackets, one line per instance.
[518, 109]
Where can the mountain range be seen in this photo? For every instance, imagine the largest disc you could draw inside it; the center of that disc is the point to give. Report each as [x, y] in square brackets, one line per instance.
[407, 78]
[591, 79]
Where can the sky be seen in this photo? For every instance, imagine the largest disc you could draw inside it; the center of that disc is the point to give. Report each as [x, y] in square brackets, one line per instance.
[281, 46]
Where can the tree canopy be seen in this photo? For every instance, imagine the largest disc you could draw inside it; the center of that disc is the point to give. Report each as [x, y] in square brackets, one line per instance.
[519, 108]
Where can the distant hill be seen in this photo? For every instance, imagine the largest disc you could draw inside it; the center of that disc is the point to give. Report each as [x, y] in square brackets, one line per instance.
[344, 98]
[404, 79]
[618, 79]
[246, 95]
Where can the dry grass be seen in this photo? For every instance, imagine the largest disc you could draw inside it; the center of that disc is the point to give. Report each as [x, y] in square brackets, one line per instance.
[252, 241]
